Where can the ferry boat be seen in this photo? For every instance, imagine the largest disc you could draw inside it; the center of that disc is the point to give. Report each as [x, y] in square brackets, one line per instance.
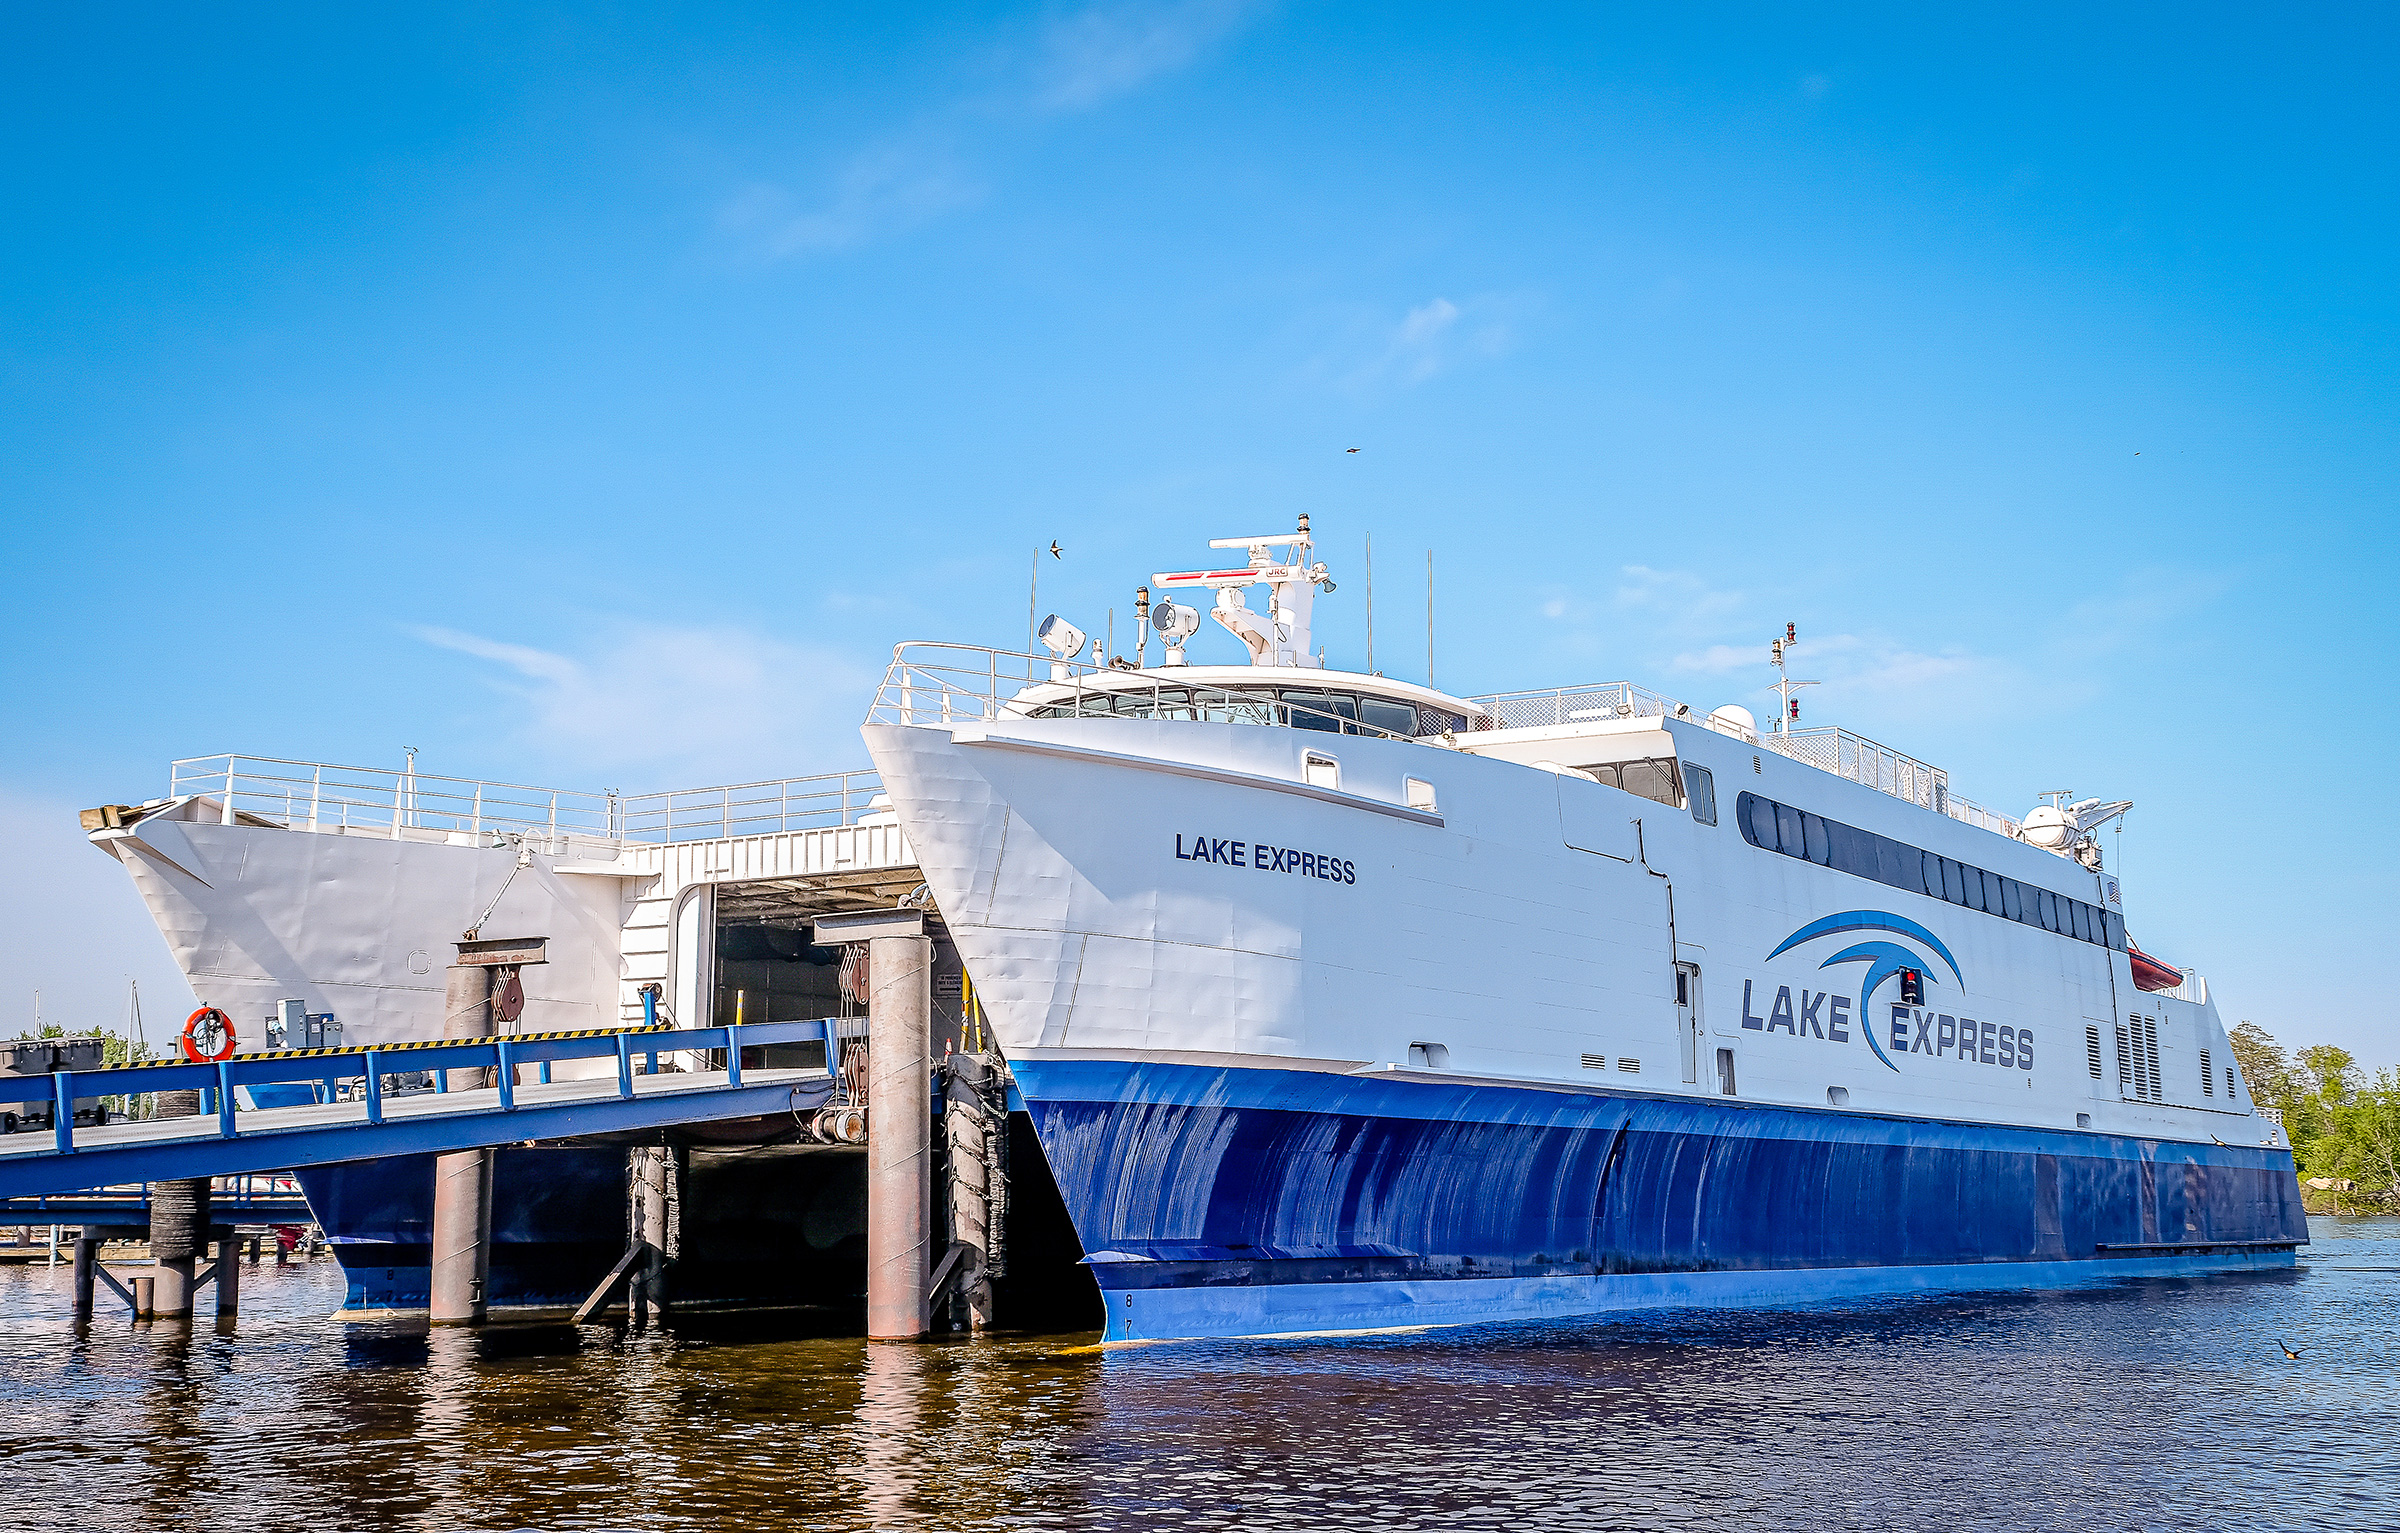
[1341, 1003]
[1333, 1002]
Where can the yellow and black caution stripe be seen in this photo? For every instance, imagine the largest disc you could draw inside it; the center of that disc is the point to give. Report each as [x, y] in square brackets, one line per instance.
[396, 1048]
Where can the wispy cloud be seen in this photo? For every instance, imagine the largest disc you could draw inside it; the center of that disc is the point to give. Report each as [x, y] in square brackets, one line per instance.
[1430, 339]
[2145, 602]
[1105, 51]
[908, 177]
[708, 704]
[885, 189]
[1678, 595]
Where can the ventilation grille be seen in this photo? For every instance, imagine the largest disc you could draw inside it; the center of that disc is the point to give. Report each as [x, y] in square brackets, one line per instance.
[1595, 1061]
[2208, 1075]
[2229, 1091]
[1630, 1066]
[2091, 1050]
[2137, 1058]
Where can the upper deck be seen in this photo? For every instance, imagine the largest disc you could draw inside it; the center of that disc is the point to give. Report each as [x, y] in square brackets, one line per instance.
[944, 684]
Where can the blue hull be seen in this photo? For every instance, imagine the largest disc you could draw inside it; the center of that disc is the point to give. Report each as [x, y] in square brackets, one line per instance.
[765, 1228]
[1221, 1201]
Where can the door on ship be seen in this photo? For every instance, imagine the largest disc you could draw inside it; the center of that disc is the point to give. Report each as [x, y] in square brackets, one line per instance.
[1687, 1017]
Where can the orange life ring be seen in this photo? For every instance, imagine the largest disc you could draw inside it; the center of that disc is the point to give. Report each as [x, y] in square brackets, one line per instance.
[206, 1023]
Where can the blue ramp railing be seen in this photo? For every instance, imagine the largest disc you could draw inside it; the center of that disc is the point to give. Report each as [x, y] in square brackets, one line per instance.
[227, 1138]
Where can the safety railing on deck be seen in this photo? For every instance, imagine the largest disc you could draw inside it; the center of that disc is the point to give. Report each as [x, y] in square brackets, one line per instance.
[749, 808]
[363, 1073]
[1544, 709]
[411, 805]
[950, 684]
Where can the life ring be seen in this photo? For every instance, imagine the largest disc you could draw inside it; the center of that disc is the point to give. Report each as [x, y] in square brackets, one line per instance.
[207, 1036]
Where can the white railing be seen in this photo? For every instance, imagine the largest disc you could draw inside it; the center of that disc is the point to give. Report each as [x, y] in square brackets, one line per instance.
[946, 684]
[423, 806]
[1863, 761]
[1576, 705]
[2193, 989]
[1838, 751]
[750, 808]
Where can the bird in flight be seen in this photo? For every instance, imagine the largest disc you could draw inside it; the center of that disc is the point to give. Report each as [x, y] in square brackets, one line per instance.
[1055, 551]
[1349, 449]
[2287, 1351]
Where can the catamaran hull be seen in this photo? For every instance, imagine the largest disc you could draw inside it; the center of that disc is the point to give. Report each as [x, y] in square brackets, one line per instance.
[1226, 1201]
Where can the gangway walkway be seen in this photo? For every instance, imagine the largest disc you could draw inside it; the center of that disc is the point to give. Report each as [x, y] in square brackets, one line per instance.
[226, 1138]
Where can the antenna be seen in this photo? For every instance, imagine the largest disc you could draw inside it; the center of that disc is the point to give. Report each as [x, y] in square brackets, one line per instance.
[1033, 602]
[1141, 627]
[1370, 604]
[1789, 713]
[1429, 617]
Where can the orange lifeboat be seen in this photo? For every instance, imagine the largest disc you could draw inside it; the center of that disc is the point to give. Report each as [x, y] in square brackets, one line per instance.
[2148, 972]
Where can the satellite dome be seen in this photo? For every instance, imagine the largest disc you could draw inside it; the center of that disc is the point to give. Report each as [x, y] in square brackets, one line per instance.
[1734, 719]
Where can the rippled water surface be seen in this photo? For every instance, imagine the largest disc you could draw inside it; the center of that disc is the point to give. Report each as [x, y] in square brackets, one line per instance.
[2148, 1404]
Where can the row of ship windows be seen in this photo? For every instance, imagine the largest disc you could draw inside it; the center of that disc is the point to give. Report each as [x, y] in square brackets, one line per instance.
[1829, 843]
[1341, 713]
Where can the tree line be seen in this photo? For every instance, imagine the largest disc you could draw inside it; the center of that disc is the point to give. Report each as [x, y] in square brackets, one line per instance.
[2343, 1127]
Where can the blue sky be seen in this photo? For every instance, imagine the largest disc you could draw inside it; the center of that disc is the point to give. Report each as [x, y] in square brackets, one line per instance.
[593, 397]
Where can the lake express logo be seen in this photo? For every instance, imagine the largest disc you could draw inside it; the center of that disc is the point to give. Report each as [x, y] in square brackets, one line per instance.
[1912, 1031]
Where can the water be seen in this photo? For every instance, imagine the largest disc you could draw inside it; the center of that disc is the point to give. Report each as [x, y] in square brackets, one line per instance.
[2143, 1404]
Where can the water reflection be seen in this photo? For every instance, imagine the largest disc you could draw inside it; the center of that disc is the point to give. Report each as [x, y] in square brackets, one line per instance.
[2160, 1404]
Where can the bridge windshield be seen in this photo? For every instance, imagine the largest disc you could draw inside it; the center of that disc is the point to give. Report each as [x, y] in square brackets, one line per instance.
[1324, 709]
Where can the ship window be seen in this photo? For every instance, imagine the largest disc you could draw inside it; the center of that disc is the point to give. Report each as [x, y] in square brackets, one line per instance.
[1903, 867]
[1700, 785]
[2116, 929]
[2049, 904]
[2080, 914]
[1758, 820]
[1819, 846]
[1316, 710]
[1788, 834]
[2012, 899]
[1392, 718]
[1653, 780]
[1992, 900]
[1322, 771]
[1954, 887]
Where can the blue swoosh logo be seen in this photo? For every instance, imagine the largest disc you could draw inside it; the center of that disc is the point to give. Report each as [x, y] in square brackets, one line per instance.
[1884, 959]
[1869, 921]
